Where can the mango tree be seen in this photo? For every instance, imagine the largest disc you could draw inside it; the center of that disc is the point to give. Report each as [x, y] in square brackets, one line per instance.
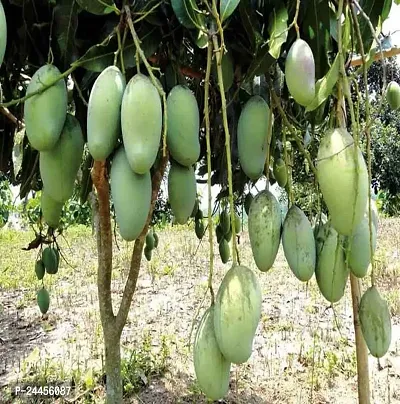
[235, 90]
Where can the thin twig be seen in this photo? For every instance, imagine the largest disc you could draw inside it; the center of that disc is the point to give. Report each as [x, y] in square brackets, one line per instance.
[6, 112]
[292, 130]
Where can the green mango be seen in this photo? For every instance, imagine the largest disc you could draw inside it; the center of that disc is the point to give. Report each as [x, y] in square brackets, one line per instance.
[148, 253]
[224, 250]
[265, 223]
[150, 242]
[219, 233]
[183, 126]
[104, 112]
[129, 190]
[181, 191]
[299, 244]
[45, 113]
[280, 172]
[211, 368]
[199, 229]
[360, 255]
[225, 221]
[51, 209]
[237, 313]
[300, 72]
[376, 324]
[331, 271]
[50, 260]
[336, 154]
[40, 270]
[141, 123]
[155, 235]
[59, 166]
[393, 95]
[43, 300]
[252, 136]
[247, 202]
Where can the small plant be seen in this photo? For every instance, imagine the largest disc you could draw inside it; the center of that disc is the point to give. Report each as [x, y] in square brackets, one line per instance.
[143, 363]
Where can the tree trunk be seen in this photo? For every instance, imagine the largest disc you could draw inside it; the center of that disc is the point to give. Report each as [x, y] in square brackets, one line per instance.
[112, 344]
[361, 348]
[114, 324]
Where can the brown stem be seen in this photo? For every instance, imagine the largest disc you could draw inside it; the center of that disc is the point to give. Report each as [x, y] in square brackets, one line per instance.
[130, 285]
[104, 243]
[6, 112]
[361, 348]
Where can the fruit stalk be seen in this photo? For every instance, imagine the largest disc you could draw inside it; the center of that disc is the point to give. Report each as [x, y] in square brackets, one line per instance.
[292, 130]
[269, 137]
[218, 53]
[207, 122]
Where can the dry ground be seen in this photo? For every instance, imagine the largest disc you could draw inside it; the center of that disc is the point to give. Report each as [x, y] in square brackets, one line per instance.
[304, 351]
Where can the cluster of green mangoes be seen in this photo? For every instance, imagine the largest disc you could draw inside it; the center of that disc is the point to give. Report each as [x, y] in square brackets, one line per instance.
[197, 213]
[135, 110]
[331, 249]
[223, 232]
[58, 137]
[48, 263]
[151, 243]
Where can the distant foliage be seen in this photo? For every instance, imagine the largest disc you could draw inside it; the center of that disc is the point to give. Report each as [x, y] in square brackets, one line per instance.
[5, 201]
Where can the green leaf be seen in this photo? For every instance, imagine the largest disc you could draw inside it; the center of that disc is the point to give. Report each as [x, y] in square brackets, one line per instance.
[185, 12]
[397, 2]
[261, 63]
[65, 26]
[324, 86]
[376, 10]
[386, 9]
[98, 57]
[277, 29]
[227, 7]
[98, 7]
[149, 44]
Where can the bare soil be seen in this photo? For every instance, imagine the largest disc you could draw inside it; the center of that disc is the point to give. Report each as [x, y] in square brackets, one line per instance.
[303, 352]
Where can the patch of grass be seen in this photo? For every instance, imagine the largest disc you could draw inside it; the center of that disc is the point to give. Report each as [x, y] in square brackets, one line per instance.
[143, 363]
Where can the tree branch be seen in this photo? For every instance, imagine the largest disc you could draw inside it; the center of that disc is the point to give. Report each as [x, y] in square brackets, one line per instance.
[358, 61]
[104, 241]
[6, 112]
[136, 259]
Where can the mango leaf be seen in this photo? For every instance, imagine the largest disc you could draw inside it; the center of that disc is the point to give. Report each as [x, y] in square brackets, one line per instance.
[346, 36]
[227, 7]
[97, 7]
[65, 26]
[386, 9]
[376, 10]
[185, 12]
[98, 57]
[277, 30]
[397, 2]
[150, 42]
[250, 24]
[261, 63]
[324, 86]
